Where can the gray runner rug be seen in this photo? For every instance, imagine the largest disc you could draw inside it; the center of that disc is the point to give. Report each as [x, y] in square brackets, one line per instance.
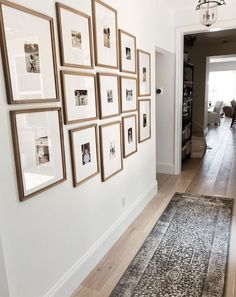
[185, 255]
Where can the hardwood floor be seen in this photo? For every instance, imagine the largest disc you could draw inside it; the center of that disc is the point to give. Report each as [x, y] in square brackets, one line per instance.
[213, 175]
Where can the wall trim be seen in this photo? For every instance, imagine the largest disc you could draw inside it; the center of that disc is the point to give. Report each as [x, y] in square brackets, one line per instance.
[166, 168]
[67, 285]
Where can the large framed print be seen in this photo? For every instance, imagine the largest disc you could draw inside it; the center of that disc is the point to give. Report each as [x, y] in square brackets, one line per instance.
[38, 149]
[109, 95]
[144, 74]
[79, 93]
[28, 54]
[75, 37]
[129, 124]
[128, 94]
[144, 122]
[127, 43]
[105, 35]
[84, 153]
[111, 149]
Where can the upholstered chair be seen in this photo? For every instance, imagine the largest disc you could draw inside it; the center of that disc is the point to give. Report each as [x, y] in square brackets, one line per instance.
[214, 116]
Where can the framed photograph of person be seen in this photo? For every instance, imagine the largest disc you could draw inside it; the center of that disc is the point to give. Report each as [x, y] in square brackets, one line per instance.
[79, 94]
[109, 96]
[75, 37]
[111, 149]
[84, 153]
[28, 55]
[39, 150]
[128, 91]
[127, 43]
[144, 74]
[144, 122]
[105, 35]
[129, 124]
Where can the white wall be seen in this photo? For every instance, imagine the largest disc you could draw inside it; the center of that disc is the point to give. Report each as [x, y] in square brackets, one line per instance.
[52, 241]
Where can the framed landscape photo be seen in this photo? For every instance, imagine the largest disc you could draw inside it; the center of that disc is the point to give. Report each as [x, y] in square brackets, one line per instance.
[144, 74]
[84, 153]
[127, 43]
[79, 93]
[108, 93]
[144, 122]
[129, 124]
[75, 37]
[105, 35]
[128, 93]
[111, 149]
[39, 149]
[28, 55]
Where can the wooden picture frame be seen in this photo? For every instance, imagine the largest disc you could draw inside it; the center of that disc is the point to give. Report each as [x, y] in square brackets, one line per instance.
[72, 56]
[144, 121]
[127, 52]
[29, 61]
[112, 153]
[84, 139]
[128, 89]
[144, 73]
[105, 36]
[129, 129]
[74, 85]
[35, 147]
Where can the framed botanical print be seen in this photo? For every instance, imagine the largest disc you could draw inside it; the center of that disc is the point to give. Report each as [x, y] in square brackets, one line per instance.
[109, 97]
[127, 43]
[84, 153]
[111, 149]
[105, 35]
[144, 74]
[144, 122]
[28, 54]
[79, 95]
[39, 149]
[128, 93]
[129, 124]
[75, 37]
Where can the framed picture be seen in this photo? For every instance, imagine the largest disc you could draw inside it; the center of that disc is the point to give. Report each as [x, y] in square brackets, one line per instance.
[144, 74]
[109, 98]
[144, 122]
[79, 95]
[111, 149]
[128, 91]
[127, 44]
[28, 54]
[39, 149]
[129, 124]
[84, 153]
[75, 37]
[105, 35]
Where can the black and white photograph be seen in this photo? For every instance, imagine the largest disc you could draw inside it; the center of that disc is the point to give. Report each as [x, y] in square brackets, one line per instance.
[128, 91]
[109, 96]
[128, 53]
[127, 46]
[112, 150]
[144, 120]
[129, 133]
[76, 39]
[144, 73]
[42, 150]
[129, 95]
[86, 156]
[81, 97]
[32, 57]
[107, 37]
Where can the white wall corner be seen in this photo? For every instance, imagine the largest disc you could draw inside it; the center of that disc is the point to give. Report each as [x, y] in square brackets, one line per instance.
[166, 168]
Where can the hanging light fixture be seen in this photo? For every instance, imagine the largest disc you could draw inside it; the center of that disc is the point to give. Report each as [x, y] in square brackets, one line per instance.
[208, 11]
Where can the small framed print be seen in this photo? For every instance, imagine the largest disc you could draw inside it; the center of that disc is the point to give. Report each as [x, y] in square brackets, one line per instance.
[129, 124]
[128, 91]
[84, 153]
[75, 37]
[28, 54]
[39, 149]
[79, 94]
[105, 35]
[144, 113]
[127, 44]
[144, 74]
[109, 97]
[111, 149]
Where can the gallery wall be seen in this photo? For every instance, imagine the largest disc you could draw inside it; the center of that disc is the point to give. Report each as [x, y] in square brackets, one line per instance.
[52, 241]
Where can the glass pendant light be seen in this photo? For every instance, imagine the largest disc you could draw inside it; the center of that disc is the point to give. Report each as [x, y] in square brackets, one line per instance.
[208, 11]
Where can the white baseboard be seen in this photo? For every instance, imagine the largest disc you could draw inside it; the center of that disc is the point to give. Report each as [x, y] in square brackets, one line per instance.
[71, 280]
[167, 168]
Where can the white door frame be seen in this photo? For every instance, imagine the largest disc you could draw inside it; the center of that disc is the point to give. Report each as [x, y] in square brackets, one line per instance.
[180, 32]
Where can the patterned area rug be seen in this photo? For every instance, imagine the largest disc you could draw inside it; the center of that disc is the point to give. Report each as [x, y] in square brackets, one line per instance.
[185, 255]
